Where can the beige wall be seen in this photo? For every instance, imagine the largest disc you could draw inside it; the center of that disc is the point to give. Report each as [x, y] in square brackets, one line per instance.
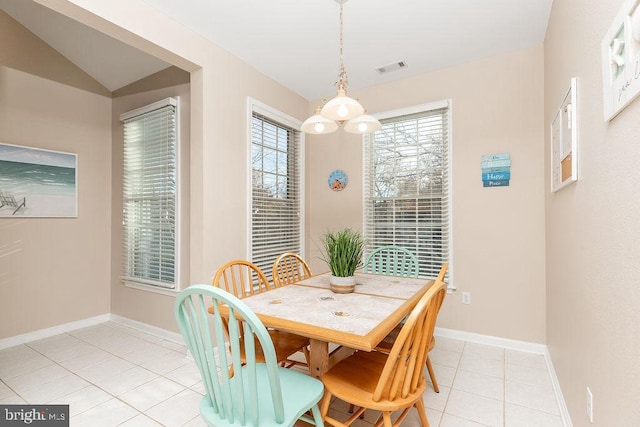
[218, 171]
[498, 233]
[42, 60]
[593, 320]
[55, 271]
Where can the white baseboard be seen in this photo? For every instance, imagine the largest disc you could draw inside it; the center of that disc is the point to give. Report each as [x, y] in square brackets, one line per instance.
[519, 346]
[54, 330]
[562, 405]
[149, 329]
[490, 340]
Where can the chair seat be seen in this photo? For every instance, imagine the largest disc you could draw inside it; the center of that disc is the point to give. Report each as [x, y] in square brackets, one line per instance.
[301, 391]
[387, 342]
[285, 345]
[355, 378]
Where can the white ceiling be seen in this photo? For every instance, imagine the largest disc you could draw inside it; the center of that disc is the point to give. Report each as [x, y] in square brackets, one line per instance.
[296, 42]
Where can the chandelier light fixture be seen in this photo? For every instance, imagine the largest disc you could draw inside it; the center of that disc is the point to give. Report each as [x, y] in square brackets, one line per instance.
[341, 109]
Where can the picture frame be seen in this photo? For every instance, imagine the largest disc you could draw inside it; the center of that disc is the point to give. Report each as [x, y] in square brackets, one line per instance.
[621, 60]
[37, 183]
[564, 140]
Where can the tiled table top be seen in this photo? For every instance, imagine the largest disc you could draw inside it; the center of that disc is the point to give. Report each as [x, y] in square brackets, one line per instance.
[357, 320]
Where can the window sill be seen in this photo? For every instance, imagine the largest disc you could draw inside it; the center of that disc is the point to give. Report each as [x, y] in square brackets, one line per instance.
[151, 288]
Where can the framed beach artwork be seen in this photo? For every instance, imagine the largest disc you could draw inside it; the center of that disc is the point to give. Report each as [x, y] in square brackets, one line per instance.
[37, 183]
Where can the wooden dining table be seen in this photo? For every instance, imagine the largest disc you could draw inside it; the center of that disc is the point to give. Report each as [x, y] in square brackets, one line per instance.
[358, 320]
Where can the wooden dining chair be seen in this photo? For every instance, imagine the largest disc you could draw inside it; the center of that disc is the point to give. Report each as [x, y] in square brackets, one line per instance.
[392, 261]
[388, 341]
[289, 268]
[243, 278]
[388, 382]
[259, 392]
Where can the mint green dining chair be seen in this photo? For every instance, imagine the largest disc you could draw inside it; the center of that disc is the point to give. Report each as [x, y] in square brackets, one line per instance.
[241, 394]
[392, 261]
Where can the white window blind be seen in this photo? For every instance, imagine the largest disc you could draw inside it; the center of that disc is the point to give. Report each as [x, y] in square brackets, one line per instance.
[276, 226]
[406, 187]
[149, 194]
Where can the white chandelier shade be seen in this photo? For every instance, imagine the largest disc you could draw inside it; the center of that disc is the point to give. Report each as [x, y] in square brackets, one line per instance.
[362, 124]
[319, 125]
[342, 107]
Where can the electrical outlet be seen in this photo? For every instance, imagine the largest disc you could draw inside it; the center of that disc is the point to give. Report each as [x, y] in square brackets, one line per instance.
[590, 405]
[466, 297]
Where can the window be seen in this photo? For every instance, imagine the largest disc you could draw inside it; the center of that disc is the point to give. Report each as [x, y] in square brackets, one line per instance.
[149, 194]
[276, 185]
[406, 194]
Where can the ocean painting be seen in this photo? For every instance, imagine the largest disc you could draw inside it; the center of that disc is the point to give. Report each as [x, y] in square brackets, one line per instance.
[37, 183]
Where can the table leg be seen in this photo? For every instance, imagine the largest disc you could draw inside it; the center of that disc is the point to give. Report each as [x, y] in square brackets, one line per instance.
[318, 357]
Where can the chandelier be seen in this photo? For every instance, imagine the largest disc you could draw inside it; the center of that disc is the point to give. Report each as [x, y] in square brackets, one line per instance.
[341, 109]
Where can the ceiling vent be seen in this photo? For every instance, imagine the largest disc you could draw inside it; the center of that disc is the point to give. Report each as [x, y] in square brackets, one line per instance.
[392, 67]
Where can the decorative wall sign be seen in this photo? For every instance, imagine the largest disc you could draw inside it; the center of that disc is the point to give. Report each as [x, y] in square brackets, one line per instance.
[621, 60]
[496, 170]
[37, 183]
[337, 180]
[564, 141]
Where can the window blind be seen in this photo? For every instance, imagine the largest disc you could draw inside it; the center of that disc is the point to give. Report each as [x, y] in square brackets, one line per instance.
[406, 187]
[149, 195]
[275, 199]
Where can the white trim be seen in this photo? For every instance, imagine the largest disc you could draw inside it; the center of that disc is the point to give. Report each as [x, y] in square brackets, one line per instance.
[160, 288]
[148, 108]
[420, 108]
[445, 103]
[518, 346]
[54, 330]
[490, 340]
[557, 390]
[451, 269]
[172, 292]
[253, 105]
[148, 329]
[177, 225]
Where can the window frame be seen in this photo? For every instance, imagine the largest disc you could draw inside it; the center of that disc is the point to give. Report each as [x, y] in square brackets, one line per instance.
[255, 106]
[416, 109]
[132, 282]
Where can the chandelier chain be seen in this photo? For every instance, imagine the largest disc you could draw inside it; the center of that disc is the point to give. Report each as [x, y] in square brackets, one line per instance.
[342, 73]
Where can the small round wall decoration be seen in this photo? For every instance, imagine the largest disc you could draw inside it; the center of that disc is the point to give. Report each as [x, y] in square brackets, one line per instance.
[337, 180]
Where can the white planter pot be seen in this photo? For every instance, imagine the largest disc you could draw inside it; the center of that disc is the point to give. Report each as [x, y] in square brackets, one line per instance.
[342, 285]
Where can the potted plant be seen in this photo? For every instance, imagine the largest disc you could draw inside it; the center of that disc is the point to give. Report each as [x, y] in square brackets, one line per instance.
[343, 253]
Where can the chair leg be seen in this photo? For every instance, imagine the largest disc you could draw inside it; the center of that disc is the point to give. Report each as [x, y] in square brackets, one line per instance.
[386, 419]
[352, 407]
[422, 413]
[326, 400]
[317, 416]
[432, 375]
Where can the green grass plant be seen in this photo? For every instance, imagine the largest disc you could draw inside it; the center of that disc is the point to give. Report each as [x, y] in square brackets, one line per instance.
[343, 251]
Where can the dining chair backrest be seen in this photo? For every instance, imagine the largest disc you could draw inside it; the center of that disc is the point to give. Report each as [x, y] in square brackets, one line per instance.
[241, 278]
[289, 268]
[443, 271]
[403, 372]
[392, 261]
[234, 399]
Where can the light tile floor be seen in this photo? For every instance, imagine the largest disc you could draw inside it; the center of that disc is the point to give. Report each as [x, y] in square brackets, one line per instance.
[112, 375]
